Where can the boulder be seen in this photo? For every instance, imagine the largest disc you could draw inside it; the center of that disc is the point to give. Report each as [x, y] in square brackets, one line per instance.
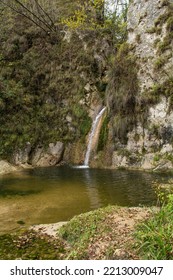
[48, 157]
[6, 167]
[119, 160]
[148, 161]
[21, 156]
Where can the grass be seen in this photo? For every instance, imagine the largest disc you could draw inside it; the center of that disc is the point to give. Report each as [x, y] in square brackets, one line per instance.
[154, 238]
[82, 229]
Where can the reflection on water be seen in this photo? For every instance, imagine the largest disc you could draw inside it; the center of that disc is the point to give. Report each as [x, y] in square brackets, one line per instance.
[47, 195]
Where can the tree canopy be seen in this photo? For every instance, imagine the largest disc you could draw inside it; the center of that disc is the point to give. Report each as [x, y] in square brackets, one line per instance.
[48, 14]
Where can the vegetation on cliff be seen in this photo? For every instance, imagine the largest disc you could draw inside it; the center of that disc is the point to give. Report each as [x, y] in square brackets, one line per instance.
[46, 66]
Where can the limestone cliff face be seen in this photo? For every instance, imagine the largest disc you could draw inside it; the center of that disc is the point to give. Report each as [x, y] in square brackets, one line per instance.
[150, 143]
[148, 32]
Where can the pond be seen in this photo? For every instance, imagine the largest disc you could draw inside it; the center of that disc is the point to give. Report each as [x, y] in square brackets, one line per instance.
[48, 195]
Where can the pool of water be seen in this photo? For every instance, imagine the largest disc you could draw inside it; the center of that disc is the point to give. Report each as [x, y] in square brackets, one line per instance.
[48, 195]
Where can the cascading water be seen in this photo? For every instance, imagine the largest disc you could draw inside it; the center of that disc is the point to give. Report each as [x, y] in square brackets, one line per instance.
[91, 137]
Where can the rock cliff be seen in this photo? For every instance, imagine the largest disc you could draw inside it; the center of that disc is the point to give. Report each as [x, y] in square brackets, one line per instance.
[149, 143]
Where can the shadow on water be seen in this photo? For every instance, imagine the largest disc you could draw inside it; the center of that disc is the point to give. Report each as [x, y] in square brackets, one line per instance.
[47, 195]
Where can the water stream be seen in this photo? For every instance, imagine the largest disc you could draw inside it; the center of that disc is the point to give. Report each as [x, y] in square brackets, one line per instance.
[92, 135]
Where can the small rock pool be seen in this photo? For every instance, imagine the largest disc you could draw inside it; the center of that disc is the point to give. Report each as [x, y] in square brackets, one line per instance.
[48, 195]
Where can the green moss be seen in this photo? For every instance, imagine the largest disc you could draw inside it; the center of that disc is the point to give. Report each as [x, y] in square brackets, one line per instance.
[164, 45]
[159, 62]
[169, 157]
[155, 130]
[85, 126]
[151, 30]
[20, 222]
[30, 246]
[167, 19]
[153, 96]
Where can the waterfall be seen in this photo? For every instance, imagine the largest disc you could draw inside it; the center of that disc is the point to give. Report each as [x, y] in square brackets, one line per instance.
[93, 132]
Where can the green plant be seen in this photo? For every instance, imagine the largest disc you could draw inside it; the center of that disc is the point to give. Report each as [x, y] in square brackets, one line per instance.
[103, 137]
[122, 90]
[159, 63]
[157, 157]
[154, 238]
[82, 229]
[165, 18]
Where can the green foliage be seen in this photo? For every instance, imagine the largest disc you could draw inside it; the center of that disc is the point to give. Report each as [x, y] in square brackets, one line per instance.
[43, 75]
[79, 113]
[164, 89]
[86, 15]
[167, 19]
[121, 90]
[41, 83]
[155, 237]
[103, 137]
[157, 157]
[80, 231]
[159, 62]
[94, 15]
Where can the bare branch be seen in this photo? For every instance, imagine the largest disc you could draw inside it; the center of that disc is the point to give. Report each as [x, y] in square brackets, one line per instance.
[46, 14]
[42, 20]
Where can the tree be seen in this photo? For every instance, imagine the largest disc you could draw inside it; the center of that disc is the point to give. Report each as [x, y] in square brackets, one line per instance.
[48, 14]
[35, 11]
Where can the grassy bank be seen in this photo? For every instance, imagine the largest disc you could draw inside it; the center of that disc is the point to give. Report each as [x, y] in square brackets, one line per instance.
[154, 239]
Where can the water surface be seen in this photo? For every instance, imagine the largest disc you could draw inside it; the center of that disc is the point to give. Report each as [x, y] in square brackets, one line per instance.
[48, 195]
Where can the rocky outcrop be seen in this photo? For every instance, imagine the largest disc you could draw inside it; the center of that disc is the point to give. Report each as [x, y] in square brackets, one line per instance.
[52, 156]
[21, 156]
[149, 28]
[39, 156]
[6, 167]
[48, 157]
[150, 142]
